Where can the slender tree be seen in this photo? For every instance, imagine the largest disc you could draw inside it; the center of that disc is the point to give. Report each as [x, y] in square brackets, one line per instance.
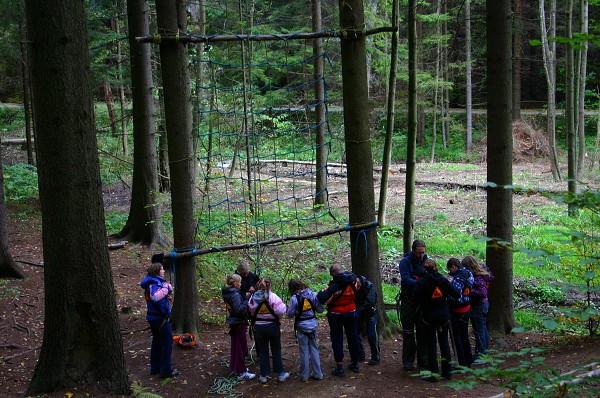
[171, 18]
[570, 107]
[499, 163]
[82, 342]
[469, 75]
[411, 141]
[143, 224]
[320, 137]
[361, 194]
[581, 79]
[517, 55]
[389, 125]
[548, 29]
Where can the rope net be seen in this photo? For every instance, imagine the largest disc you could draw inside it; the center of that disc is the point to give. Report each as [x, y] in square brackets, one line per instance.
[257, 146]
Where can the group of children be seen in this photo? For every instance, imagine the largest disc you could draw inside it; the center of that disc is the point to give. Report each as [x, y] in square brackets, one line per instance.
[254, 302]
[434, 306]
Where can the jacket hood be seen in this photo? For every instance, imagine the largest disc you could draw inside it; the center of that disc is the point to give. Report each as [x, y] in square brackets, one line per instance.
[149, 280]
[345, 277]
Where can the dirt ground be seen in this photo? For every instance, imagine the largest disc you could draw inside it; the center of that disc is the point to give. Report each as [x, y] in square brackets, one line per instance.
[204, 367]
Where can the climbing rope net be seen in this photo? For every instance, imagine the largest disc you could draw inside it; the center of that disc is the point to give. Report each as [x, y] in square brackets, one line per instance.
[257, 147]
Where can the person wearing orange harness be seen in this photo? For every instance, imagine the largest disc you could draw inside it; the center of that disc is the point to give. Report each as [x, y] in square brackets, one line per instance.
[342, 316]
[433, 315]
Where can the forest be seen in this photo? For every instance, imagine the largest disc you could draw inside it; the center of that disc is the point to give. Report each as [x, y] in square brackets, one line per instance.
[295, 136]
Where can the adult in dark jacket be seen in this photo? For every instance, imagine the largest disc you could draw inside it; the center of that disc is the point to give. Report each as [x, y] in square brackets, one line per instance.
[342, 316]
[462, 279]
[237, 320]
[158, 303]
[411, 269]
[366, 306]
[479, 303]
[430, 295]
[249, 279]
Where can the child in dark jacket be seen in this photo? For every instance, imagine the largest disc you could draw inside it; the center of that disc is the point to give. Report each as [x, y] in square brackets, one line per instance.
[366, 306]
[303, 308]
[158, 302]
[479, 304]
[430, 294]
[463, 280]
[237, 319]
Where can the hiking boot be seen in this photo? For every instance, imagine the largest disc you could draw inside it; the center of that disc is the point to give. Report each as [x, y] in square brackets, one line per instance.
[354, 367]
[174, 373]
[246, 376]
[283, 376]
[373, 361]
[338, 372]
[315, 377]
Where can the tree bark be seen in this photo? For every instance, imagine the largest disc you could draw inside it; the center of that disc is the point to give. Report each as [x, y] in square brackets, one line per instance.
[82, 342]
[171, 18]
[320, 117]
[143, 224]
[361, 193]
[411, 141]
[499, 164]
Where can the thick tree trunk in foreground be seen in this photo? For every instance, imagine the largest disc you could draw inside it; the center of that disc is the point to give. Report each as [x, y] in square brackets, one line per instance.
[361, 193]
[82, 344]
[499, 164]
[171, 18]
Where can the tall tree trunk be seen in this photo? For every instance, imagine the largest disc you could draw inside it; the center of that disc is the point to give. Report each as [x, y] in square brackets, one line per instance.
[517, 53]
[26, 91]
[549, 55]
[570, 108]
[468, 72]
[411, 139]
[143, 224]
[389, 125]
[320, 117]
[499, 164]
[445, 90]
[361, 194]
[8, 267]
[437, 102]
[581, 83]
[82, 342]
[120, 88]
[171, 18]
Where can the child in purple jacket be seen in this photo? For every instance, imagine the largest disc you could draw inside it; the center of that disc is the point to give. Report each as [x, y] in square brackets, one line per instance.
[479, 303]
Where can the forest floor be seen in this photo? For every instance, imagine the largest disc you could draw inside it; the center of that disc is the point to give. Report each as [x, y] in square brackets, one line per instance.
[457, 194]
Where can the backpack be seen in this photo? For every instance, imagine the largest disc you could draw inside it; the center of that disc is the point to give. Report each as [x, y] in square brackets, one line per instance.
[304, 305]
[463, 281]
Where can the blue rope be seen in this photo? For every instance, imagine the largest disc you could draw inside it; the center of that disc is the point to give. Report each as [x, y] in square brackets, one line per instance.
[363, 232]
